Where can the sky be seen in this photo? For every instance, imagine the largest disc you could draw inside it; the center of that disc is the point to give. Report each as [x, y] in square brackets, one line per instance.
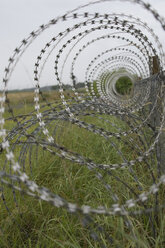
[19, 17]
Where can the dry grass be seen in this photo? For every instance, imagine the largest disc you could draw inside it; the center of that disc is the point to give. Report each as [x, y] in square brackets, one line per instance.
[27, 97]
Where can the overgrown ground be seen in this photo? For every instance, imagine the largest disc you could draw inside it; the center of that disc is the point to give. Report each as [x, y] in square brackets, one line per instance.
[27, 222]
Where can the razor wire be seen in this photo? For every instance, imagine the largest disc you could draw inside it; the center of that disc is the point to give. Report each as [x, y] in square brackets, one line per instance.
[37, 129]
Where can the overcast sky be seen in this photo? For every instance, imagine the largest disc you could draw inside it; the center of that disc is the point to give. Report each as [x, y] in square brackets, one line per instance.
[20, 17]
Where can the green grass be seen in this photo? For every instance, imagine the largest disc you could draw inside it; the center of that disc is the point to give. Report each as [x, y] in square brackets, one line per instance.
[124, 85]
[37, 224]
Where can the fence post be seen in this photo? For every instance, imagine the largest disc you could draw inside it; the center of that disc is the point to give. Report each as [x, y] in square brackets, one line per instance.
[156, 116]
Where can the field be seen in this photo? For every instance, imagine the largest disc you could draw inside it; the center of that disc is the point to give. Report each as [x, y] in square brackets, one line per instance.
[26, 222]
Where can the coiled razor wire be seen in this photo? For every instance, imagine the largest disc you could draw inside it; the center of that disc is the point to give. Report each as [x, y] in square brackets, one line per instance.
[38, 130]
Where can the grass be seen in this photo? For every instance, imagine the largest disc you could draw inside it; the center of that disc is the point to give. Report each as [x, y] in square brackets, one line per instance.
[124, 85]
[29, 223]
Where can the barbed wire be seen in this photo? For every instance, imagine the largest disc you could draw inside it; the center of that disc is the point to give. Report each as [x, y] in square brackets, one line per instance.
[141, 114]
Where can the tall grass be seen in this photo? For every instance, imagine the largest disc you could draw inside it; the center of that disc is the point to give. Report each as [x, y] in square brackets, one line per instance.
[27, 222]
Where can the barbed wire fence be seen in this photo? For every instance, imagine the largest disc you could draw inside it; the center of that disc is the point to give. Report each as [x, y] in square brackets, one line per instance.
[142, 114]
